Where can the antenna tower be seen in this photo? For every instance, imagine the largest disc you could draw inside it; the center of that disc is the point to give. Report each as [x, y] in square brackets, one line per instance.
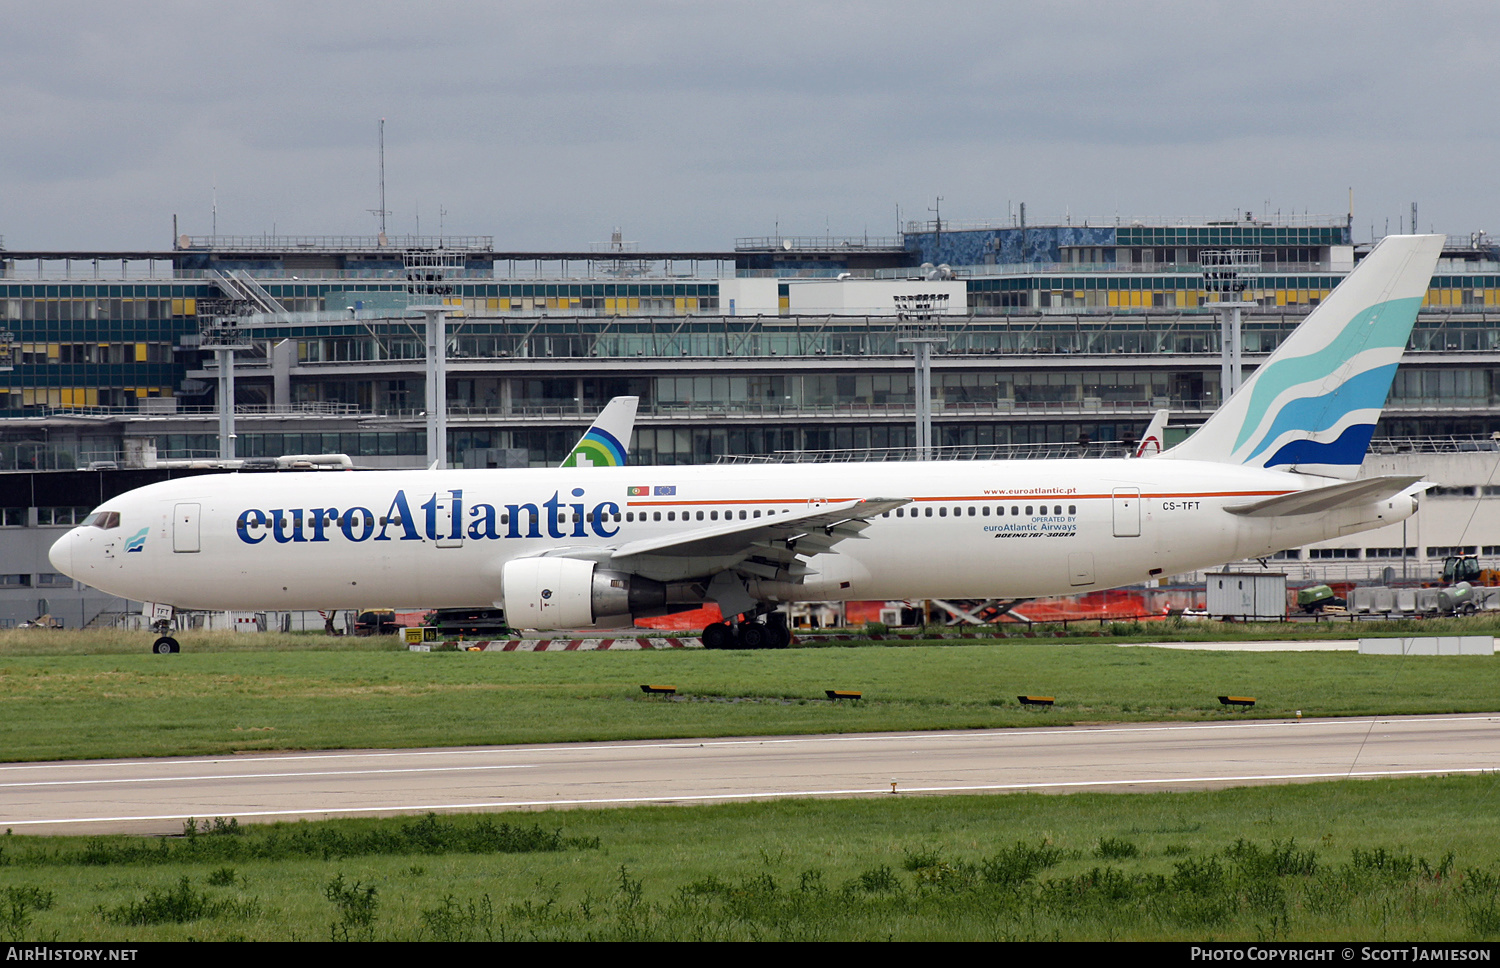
[381, 212]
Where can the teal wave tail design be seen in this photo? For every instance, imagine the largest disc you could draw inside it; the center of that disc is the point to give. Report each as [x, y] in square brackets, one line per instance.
[1313, 415]
[1385, 325]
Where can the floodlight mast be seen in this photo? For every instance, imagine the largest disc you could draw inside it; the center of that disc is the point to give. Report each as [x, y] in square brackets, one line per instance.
[1222, 270]
[922, 332]
[429, 288]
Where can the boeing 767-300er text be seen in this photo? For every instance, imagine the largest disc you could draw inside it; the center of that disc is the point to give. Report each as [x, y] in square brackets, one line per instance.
[574, 547]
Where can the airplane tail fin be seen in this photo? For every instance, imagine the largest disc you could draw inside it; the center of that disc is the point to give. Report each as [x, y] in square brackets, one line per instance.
[1151, 440]
[607, 441]
[1312, 406]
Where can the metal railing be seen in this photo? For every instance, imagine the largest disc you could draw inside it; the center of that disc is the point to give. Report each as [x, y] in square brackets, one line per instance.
[1089, 268]
[1433, 444]
[335, 243]
[1277, 220]
[819, 243]
[857, 455]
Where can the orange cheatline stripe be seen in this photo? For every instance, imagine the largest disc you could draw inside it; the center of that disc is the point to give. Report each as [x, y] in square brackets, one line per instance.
[982, 498]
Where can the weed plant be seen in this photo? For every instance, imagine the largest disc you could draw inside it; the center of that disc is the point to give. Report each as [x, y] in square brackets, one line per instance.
[1380, 860]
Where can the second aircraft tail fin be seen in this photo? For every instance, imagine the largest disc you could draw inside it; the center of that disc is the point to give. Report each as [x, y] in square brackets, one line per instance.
[607, 441]
[1151, 441]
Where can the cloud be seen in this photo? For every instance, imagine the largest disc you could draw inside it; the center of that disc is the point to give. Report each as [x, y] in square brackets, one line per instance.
[546, 124]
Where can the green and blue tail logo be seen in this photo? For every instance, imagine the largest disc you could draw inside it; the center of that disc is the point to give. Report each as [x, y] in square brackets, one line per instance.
[597, 449]
[607, 441]
[1312, 406]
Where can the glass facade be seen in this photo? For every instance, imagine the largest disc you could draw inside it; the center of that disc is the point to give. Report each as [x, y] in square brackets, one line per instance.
[1090, 344]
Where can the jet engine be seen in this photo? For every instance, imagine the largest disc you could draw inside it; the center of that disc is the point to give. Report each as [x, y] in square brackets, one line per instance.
[567, 593]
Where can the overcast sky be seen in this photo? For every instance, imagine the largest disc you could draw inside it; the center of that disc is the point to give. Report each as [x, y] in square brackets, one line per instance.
[688, 124]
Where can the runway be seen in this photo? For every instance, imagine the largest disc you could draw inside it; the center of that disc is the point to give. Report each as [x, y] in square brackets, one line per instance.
[157, 795]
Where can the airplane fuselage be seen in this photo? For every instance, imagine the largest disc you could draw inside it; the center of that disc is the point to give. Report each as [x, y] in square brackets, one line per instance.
[971, 529]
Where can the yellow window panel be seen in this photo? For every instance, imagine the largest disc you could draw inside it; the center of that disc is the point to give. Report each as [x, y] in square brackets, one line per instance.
[140, 352]
[53, 351]
[177, 307]
[190, 307]
[91, 397]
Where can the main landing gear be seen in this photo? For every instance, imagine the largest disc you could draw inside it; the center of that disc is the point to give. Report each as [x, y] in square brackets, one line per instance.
[751, 634]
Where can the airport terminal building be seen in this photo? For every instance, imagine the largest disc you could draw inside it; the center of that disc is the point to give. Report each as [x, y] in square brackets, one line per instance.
[1061, 336]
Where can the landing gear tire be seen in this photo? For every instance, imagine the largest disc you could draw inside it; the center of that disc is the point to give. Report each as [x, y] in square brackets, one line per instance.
[718, 636]
[780, 635]
[754, 635]
[166, 645]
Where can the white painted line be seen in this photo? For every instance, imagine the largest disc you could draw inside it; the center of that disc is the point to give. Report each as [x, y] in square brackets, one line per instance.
[269, 776]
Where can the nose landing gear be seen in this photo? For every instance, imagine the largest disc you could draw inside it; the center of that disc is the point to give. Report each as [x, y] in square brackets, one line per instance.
[161, 624]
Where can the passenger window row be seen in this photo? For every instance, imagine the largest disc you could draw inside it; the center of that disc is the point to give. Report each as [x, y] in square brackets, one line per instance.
[982, 510]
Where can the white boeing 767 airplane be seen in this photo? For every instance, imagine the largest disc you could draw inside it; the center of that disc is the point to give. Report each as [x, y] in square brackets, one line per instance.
[570, 547]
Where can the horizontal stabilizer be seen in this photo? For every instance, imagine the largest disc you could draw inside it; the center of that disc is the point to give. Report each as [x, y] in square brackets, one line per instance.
[1323, 499]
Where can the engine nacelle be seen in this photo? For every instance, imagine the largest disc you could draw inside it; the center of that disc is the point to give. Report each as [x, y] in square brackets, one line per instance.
[570, 593]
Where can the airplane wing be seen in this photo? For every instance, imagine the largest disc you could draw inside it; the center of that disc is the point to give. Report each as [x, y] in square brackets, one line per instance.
[769, 548]
[1323, 499]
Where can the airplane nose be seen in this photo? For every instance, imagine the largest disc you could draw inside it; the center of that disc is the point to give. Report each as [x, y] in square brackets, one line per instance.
[61, 554]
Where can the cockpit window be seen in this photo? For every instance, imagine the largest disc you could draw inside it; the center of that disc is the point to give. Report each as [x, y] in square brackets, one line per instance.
[104, 519]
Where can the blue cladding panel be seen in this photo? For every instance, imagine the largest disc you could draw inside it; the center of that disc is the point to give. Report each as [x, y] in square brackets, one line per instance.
[1007, 246]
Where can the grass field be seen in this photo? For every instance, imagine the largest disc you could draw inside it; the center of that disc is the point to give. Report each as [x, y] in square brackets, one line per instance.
[307, 697]
[1392, 860]
[1377, 860]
